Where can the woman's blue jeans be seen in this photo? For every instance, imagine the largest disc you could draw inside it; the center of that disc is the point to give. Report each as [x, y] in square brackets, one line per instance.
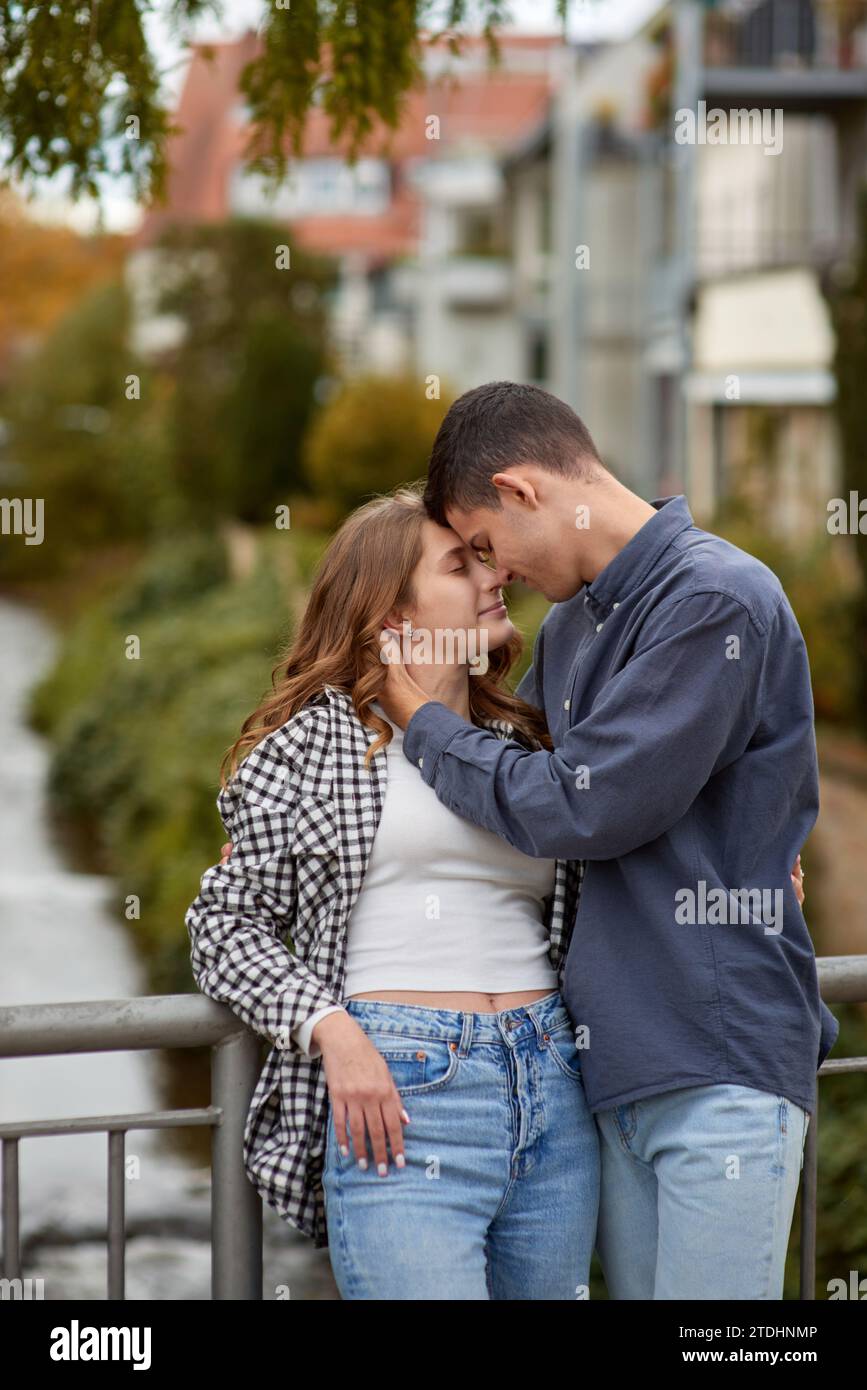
[500, 1193]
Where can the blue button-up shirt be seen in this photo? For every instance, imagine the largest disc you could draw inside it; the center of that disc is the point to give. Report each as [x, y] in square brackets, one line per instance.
[677, 692]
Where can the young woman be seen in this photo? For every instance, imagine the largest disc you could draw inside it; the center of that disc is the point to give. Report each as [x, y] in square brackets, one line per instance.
[422, 1110]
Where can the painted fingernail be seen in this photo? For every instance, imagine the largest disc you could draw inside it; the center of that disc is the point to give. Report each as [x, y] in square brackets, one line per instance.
[362, 1163]
[344, 1149]
[381, 1169]
[404, 1116]
[400, 1161]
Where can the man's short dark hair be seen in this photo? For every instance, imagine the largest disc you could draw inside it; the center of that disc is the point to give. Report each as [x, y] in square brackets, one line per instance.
[497, 425]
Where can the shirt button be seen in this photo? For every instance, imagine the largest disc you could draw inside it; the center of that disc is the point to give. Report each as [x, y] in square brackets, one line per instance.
[598, 627]
[421, 762]
[566, 704]
[615, 605]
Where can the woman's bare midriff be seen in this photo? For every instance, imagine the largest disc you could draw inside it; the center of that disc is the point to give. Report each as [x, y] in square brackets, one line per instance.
[465, 1001]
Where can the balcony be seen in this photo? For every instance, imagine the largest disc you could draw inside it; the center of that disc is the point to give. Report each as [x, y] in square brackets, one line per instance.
[474, 181]
[800, 54]
[475, 282]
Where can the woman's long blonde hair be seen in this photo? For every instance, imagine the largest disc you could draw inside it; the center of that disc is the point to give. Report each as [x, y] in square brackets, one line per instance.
[365, 572]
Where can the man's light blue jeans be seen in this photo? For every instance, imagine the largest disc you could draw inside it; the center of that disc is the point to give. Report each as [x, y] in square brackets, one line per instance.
[698, 1190]
[499, 1196]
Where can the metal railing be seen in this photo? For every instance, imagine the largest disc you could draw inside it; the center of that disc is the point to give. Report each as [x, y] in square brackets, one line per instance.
[786, 34]
[842, 980]
[189, 1020]
[158, 1021]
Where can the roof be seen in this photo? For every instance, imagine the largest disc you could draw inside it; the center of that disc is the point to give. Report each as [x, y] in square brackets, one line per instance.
[495, 108]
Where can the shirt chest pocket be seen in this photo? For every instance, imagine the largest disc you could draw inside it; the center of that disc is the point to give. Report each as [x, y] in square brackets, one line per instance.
[315, 829]
[305, 825]
[316, 851]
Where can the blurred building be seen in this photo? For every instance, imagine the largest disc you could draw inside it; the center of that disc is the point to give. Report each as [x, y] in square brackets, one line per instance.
[758, 240]
[696, 337]
[541, 222]
[418, 225]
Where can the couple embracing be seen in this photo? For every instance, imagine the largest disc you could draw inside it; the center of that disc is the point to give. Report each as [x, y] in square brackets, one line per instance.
[499, 1039]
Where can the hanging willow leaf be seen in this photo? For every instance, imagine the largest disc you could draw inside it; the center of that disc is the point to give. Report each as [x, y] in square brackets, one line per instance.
[80, 90]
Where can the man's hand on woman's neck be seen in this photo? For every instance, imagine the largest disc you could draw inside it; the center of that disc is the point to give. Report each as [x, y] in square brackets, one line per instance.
[448, 684]
[407, 688]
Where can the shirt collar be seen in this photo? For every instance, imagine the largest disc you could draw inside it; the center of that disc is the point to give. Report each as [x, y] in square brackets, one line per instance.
[631, 564]
[344, 700]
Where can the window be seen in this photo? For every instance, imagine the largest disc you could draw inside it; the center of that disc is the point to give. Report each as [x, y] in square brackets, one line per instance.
[317, 187]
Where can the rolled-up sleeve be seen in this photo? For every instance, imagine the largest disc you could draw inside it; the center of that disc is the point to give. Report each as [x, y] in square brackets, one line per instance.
[683, 705]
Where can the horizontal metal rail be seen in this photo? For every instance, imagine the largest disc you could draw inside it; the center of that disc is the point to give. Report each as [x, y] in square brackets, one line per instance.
[192, 1020]
[120, 1025]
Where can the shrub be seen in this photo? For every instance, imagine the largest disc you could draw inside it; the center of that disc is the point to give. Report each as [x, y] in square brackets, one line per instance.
[138, 743]
[373, 435]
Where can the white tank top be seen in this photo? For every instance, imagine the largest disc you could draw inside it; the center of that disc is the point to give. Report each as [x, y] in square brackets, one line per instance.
[444, 905]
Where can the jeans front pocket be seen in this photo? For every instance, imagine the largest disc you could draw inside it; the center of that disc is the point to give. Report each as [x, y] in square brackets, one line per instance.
[802, 1127]
[565, 1051]
[417, 1064]
[790, 1130]
[804, 1135]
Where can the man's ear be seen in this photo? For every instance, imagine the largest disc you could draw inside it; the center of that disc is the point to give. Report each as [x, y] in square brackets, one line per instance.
[518, 486]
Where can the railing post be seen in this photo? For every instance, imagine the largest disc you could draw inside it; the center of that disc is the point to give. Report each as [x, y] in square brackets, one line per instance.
[11, 1211]
[236, 1207]
[809, 1193]
[116, 1215]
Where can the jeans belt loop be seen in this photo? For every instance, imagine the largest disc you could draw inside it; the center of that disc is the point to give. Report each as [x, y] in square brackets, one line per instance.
[540, 1032]
[466, 1041]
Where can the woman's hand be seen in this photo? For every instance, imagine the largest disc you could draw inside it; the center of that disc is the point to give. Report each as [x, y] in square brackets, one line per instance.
[798, 880]
[362, 1089]
[360, 1086]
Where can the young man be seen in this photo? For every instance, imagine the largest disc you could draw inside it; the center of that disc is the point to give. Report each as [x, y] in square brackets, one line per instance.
[677, 690]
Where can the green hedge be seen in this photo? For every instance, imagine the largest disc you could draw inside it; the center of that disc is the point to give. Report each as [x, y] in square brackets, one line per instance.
[138, 743]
